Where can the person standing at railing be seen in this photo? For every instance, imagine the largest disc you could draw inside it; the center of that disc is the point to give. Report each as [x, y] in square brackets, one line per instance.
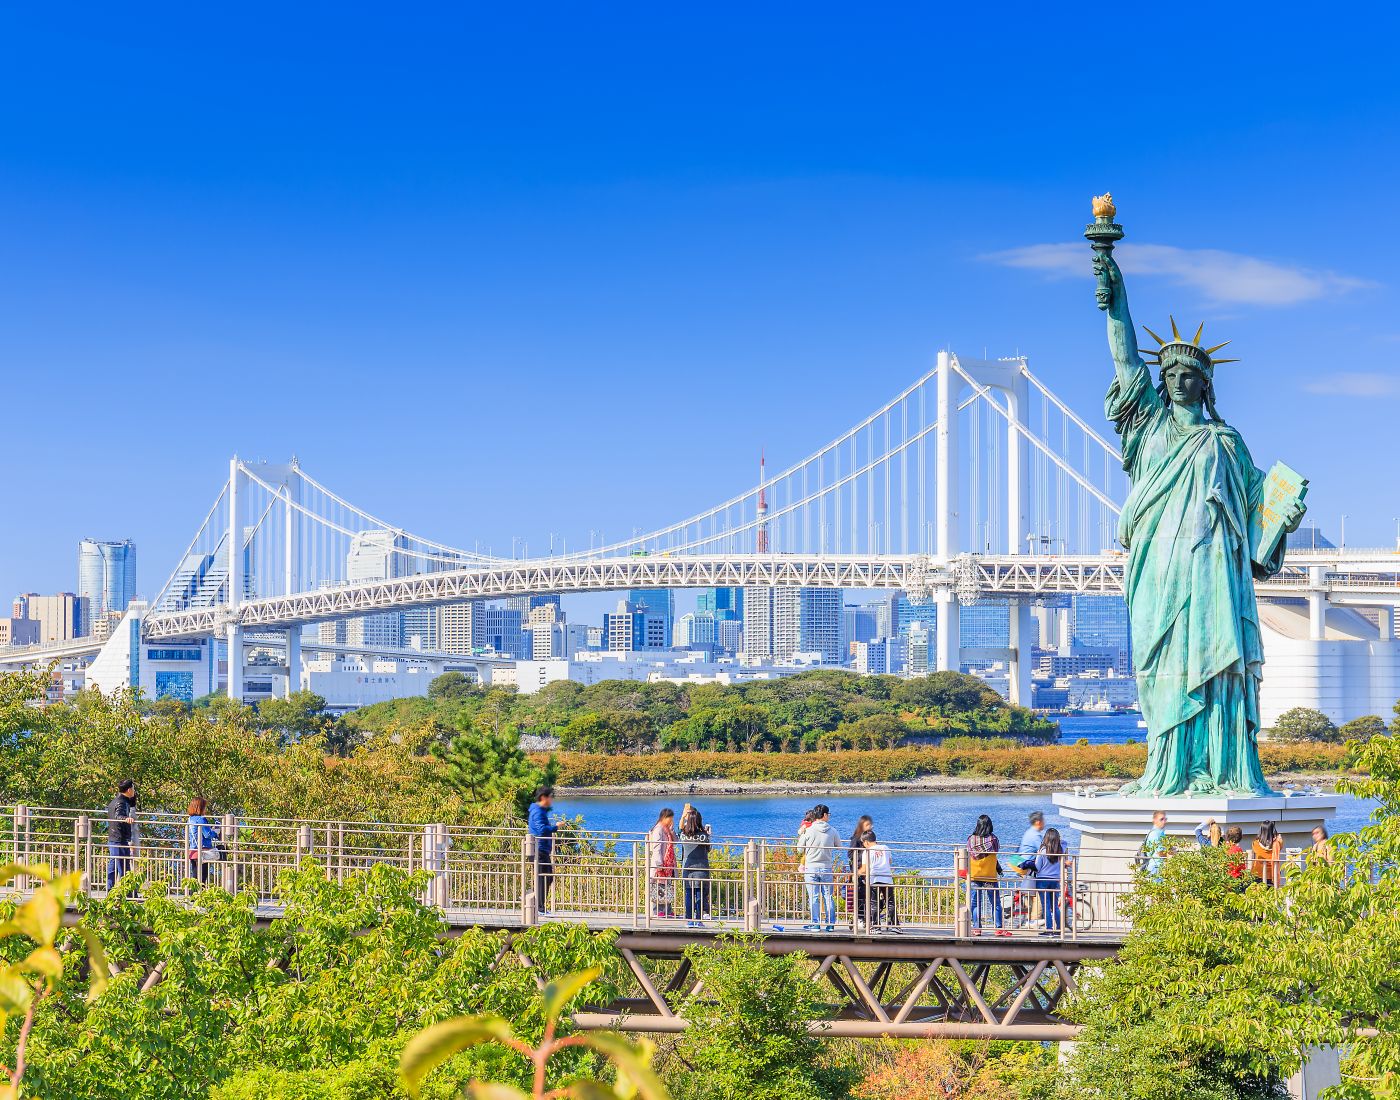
[1208, 834]
[661, 864]
[1235, 860]
[1154, 845]
[858, 890]
[818, 844]
[121, 831]
[201, 841]
[1025, 859]
[542, 828]
[879, 866]
[984, 873]
[1268, 852]
[694, 860]
[1321, 849]
[1049, 867]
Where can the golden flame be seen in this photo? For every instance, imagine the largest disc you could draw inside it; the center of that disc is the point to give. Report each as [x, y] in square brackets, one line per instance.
[1103, 206]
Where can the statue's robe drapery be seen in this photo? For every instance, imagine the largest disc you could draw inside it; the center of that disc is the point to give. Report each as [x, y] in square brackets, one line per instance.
[1189, 586]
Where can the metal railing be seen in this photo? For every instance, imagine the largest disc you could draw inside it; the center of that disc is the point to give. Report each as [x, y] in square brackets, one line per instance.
[505, 877]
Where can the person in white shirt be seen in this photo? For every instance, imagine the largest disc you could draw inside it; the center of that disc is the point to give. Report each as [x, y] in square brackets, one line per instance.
[880, 866]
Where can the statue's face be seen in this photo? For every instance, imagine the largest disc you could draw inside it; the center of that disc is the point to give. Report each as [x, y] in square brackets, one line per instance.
[1186, 385]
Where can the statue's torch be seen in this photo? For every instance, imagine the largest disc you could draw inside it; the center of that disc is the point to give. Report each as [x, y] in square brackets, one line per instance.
[1102, 232]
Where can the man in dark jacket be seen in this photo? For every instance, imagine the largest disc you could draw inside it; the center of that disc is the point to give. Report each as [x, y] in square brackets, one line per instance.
[543, 830]
[121, 826]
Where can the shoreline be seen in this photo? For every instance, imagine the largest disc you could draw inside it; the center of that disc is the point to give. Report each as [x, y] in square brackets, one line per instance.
[931, 784]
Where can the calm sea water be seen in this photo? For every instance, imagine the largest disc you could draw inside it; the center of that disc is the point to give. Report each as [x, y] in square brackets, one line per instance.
[924, 817]
[901, 816]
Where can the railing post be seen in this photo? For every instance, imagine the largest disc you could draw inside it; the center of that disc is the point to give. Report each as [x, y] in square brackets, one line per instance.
[638, 893]
[304, 842]
[82, 851]
[962, 895]
[646, 882]
[22, 843]
[442, 882]
[753, 919]
[228, 833]
[1071, 904]
[529, 903]
[340, 851]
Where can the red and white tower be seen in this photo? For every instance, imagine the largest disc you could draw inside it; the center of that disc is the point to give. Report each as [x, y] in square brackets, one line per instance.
[762, 505]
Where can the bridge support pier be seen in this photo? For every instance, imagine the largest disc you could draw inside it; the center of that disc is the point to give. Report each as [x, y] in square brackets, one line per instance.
[234, 637]
[947, 640]
[1317, 603]
[293, 660]
[1018, 690]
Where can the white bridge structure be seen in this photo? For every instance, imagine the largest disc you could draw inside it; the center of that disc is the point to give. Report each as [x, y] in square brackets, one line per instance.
[976, 482]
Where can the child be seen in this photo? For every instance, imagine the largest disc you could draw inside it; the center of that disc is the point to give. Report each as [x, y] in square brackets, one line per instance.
[879, 865]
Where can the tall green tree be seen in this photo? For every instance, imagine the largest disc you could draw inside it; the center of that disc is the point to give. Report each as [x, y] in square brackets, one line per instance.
[749, 1036]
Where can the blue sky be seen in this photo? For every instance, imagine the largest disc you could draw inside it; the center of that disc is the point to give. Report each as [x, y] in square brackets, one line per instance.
[495, 275]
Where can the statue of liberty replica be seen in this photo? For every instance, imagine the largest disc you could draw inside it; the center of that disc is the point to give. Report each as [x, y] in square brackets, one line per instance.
[1200, 525]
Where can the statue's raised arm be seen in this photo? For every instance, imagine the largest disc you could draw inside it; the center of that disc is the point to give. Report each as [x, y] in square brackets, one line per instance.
[1111, 294]
[1113, 299]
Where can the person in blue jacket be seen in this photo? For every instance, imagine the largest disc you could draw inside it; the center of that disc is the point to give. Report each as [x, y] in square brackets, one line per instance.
[543, 830]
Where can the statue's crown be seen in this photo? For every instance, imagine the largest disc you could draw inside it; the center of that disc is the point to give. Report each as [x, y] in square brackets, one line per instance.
[1179, 348]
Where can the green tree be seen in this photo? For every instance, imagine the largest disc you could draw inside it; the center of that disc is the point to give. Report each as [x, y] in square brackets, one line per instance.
[486, 765]
[1303, 724]
[301, 714]
[1363, 728]
[452, 685]
[749, 1036]
[948, 693]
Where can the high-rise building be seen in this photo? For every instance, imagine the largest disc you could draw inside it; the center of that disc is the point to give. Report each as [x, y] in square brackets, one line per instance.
[548, 637]
[500, 629]
[695, 628]
[983, 625]
[624, 629]
[781, 622]
[860, 624]
[729, 635]
[107, 574]
[19, 632]
[420, 628]
[375, 556]
[1100, 622]
[882, 656]
[61, 618]
[526, 604]
[455, 626]
[656, 604]
[715, 600]
[104, 624]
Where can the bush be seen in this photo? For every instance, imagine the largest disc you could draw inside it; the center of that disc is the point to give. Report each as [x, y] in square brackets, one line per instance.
[1304, 724]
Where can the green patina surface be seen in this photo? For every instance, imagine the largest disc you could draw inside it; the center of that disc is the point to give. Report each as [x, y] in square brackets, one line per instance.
[1189, 576]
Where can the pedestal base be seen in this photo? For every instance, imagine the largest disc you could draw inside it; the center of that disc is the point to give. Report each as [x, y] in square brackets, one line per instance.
[1112, 827]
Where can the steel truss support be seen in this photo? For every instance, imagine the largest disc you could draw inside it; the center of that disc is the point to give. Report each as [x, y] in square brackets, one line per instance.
[902, 989]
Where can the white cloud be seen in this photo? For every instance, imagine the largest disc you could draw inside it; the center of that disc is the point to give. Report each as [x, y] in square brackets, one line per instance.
[1356, 384]
[1221, 276]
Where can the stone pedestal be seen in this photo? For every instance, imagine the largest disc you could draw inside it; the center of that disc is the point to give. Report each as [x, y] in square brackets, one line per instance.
[1112, 827]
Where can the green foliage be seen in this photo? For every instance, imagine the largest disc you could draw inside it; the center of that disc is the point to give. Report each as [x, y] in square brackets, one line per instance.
[825, 708]
[748, 1037]
[452, 685]
[302, 714]
[318, 1005]
[1304, 724]
[484, 764]
[428, 1050]
[1222, 984]
[1363, 728]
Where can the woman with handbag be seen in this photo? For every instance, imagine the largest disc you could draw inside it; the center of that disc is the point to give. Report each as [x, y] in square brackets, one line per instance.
[201, 841]
[984, 873]
[661, 863]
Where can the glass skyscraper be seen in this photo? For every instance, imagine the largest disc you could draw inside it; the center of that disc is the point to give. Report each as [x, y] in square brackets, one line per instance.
[656, 603]
[107, 574]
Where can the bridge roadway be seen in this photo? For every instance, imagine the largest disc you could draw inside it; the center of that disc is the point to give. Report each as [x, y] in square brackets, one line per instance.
[1366, 577]
[926, 972]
